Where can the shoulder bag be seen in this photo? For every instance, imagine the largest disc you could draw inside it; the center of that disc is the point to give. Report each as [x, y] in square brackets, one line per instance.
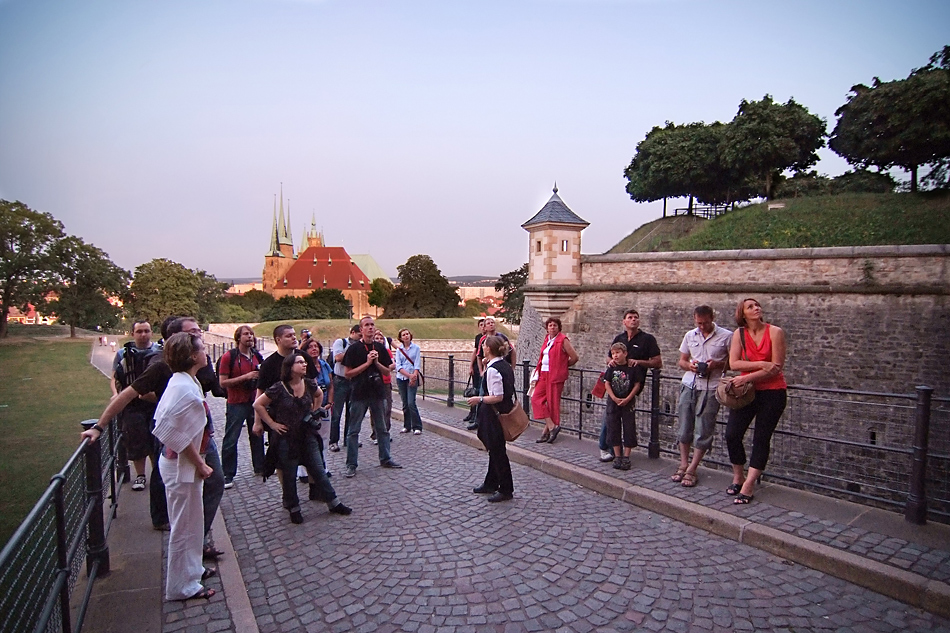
[729, 394]
[513, 423]
[600, 387]
[470, 390]
[403, 350]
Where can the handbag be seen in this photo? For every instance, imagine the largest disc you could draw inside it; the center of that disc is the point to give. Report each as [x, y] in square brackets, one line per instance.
[533, 382]
[732, 396]
[470, 390]
[600, 387]
[729, 394]
[513, 423]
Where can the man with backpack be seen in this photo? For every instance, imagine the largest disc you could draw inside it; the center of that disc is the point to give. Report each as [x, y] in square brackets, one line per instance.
[341, 387]
[237, 374]
[135, 421]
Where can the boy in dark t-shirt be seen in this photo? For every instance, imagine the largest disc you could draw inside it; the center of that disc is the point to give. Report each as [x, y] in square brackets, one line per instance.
[623, 383]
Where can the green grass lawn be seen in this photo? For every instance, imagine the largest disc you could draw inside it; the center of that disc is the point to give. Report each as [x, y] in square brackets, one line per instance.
[47, 386]
[842, 220]
[327, 329]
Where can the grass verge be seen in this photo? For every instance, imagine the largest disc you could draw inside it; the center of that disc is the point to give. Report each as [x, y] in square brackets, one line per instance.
[46, 388]
[327, 329]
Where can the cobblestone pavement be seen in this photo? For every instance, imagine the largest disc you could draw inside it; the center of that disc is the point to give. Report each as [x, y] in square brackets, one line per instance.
[929, 562]
[422, 553]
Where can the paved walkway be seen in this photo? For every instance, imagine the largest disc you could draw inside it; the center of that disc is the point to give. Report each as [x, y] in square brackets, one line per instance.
[582, 547]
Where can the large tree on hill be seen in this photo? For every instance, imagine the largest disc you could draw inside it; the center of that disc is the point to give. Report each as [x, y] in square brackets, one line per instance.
[86, 279]
[27, 266]
[684, 161]
[161, 288]
[767, 138]
[423, 292]
[903, 123]
[511, 285]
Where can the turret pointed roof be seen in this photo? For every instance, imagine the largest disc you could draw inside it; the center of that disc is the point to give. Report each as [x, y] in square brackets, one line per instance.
[274, 250]
[555, 211]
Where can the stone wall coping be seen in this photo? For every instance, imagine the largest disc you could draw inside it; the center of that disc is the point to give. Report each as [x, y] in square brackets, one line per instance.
[830, 252]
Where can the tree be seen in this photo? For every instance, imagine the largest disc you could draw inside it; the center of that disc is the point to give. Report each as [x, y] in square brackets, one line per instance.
[511, 285]
[325, 303]
[474, 308]
[903, 123]
[27, 266]
[379, 291]
[161, 288]
[423, 292]
[87, 278]
[766, 138]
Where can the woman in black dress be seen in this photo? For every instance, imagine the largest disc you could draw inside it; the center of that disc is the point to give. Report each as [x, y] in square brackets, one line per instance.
[498, 382]
[288, 408]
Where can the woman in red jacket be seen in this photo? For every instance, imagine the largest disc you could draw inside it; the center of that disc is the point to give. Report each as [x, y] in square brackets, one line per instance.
[557, 354]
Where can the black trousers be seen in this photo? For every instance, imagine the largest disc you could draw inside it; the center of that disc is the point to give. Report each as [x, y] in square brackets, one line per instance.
[491, 435]
[766, 409]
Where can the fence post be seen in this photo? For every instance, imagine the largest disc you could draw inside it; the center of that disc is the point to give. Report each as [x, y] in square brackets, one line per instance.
[450, 399]
[62, 546]
[96, 547]
[525, 381]
[916, 509]
[653, 450]
[580, 403]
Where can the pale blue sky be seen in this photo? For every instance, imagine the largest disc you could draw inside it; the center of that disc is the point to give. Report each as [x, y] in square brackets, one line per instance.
[164, 129]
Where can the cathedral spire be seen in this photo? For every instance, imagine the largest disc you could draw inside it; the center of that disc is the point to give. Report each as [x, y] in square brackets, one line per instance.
[281, 227]
[274, 250]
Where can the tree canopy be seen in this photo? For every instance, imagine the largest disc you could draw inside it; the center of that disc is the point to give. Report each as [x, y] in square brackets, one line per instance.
[379, 291]
[161, 288]
[511, 285]
[325, 303]
[423, 292]
[903, 123]
[86, 279]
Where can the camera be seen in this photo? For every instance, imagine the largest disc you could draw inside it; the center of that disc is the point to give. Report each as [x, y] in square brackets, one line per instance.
[701, 369]
[312, 420]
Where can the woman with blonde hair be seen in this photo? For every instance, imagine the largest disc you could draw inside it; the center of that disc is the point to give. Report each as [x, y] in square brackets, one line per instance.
[758, 351]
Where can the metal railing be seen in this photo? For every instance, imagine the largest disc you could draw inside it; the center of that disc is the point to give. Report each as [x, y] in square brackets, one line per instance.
[40, 565]
[881, 449]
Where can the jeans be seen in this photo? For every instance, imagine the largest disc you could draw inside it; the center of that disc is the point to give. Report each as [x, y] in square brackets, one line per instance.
[341, 398]
[604, 444]
[410, 412]
[358, 410]
[387, 409]
[236, 416]
[211, 493]
[307, 455]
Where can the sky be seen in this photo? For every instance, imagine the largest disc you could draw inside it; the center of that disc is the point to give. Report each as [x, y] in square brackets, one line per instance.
[166, 129]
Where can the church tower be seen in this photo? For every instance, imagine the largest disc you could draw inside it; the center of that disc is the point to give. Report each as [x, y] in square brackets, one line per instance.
[280, 256]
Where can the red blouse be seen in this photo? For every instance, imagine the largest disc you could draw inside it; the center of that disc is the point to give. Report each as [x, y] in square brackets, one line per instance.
[760, 352]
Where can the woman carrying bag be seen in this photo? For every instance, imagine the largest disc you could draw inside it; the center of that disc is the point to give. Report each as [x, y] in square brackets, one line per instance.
[498, 383]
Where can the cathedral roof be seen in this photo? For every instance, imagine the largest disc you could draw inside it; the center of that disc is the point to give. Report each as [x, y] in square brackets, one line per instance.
[324, 267]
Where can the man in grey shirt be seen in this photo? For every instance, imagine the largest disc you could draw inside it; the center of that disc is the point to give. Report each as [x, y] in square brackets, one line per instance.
[341, 387]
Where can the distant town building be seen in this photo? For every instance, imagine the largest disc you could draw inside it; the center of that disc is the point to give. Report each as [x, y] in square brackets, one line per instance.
[315, 265]
[30, 317]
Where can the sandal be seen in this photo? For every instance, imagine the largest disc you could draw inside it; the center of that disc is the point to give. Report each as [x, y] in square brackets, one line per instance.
[211, 552]
[689, 480]
[733, 489]
[678, 475]
[742, 500]
[209, 572]
[204, 594]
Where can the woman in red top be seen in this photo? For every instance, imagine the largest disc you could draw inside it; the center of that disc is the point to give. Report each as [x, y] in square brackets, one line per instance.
[758, 351]
[557, 354]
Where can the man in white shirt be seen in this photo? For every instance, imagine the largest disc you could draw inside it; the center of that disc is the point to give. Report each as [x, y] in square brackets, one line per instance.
[704, 355]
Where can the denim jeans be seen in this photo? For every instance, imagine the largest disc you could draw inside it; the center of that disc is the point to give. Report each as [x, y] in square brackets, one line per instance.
[410, 412]
[358, 410]
[308, 455]
[341, 399]
[211, 493]
[236, 415]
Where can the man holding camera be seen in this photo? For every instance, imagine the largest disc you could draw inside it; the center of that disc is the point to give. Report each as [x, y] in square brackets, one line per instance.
[704, 355]
[238, 371]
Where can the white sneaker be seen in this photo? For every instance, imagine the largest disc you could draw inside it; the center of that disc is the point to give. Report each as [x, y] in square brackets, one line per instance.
[228, 484]
[417, 432]
[403, 430]
[606, 456]
[375, 442]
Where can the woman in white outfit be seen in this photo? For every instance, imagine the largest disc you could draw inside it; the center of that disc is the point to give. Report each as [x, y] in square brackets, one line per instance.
[181, 424]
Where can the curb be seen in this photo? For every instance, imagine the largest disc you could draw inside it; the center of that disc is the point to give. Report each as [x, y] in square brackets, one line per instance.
[908, 587]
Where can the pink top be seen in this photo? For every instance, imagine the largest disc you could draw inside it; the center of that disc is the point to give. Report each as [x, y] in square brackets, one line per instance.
[762, 351]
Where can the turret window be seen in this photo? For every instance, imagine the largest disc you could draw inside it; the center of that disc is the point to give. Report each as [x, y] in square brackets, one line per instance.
[537, 248]
[565, 246]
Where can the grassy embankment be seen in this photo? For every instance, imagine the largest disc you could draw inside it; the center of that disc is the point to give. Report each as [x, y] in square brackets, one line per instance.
[324, 330]
[843, 220]
[47, 386]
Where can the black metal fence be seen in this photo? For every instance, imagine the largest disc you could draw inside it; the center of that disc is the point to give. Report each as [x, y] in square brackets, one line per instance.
[881, 449]
[41, 564]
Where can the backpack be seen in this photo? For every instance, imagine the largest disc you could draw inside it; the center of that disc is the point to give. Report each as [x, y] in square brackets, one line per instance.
[133, 362]
[330, 360]
[232, 355]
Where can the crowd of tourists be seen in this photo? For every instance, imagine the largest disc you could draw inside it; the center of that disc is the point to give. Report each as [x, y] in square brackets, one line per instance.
[298, 398]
